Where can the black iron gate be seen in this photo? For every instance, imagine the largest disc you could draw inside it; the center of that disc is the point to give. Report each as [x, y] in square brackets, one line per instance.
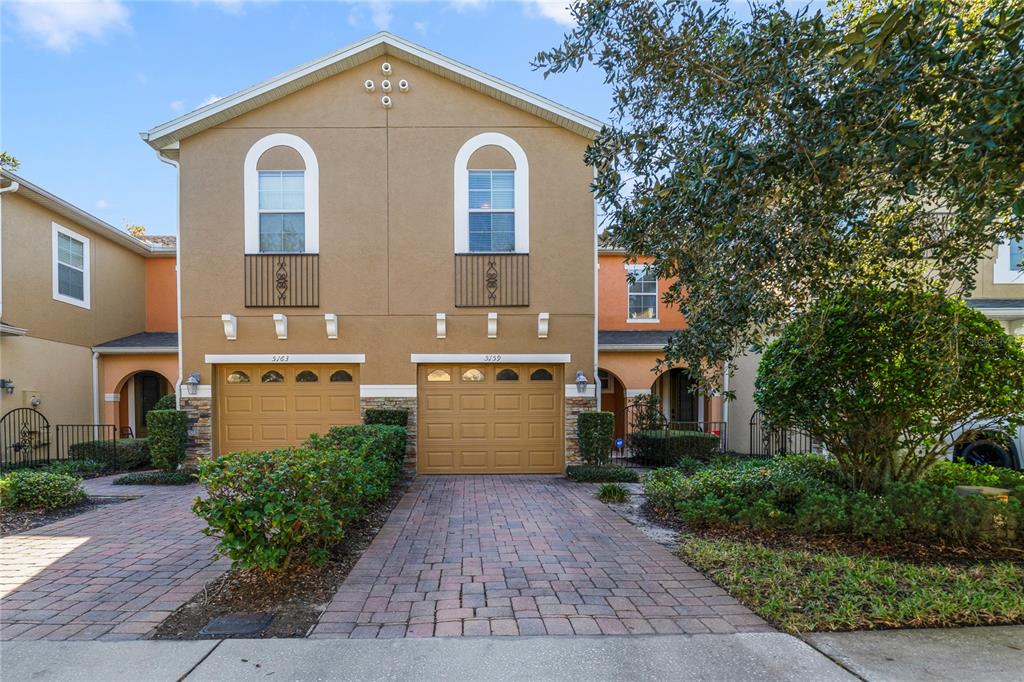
[24, 438]
[766, 441]
[652, 440]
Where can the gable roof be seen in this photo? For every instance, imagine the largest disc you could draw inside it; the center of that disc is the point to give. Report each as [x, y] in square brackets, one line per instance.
[167, 135]
[73, 213]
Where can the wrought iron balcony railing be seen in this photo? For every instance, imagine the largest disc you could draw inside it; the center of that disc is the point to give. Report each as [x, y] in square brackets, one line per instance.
[282, 280]
[484, 280]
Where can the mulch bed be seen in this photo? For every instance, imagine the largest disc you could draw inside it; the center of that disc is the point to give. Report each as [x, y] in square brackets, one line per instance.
[296, 599]
[903, 550]
[21, 520]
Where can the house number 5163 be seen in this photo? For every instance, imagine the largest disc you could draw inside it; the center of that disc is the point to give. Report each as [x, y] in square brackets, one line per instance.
[280, 358]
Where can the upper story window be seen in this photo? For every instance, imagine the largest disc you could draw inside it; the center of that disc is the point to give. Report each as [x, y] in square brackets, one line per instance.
[70, 267]
[1009, 264]
[282, 196]
[282, 212]
[492, 200]
[643, 294]
[492, 203]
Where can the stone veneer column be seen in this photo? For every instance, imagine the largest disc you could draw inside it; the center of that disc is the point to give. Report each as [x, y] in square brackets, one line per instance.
[200, 428]
[408, 404]
[573, 406]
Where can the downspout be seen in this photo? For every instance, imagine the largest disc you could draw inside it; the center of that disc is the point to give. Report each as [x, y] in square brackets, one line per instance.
[725, 402]
[13, 187]
[597, 309]
[95, 387]
[177, 267]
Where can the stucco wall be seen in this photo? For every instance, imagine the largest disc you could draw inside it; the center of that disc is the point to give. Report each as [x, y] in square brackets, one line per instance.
[118, 297]
[633, 368]
[743, 407]
[161, 295]
[386, 228]
[59, 373]
[115, 370]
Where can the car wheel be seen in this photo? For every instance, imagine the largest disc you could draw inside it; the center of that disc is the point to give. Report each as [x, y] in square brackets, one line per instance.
[986, 452]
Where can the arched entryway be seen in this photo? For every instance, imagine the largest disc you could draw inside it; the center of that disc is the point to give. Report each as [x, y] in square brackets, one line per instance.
[680, 404]
[613, 399]
[138, 394]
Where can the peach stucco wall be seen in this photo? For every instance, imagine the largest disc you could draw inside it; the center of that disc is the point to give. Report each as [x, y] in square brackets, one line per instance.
[613, 296]
[161, 295]
[633, 368]
[116, 369]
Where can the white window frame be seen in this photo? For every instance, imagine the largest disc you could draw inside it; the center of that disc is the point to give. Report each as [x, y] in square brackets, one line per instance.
[311, 187]
[521, 183]
[1001, 272]
[640, 268]
[84, 302]
[275, 211]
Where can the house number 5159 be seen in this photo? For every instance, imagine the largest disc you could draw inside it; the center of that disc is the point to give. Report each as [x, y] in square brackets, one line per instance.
[492, 358]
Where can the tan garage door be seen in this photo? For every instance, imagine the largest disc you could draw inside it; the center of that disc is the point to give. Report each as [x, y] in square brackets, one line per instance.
[261, 407]
[476, 419]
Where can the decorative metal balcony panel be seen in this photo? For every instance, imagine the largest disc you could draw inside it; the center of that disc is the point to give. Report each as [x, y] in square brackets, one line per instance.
[282, 280]
[491, 280]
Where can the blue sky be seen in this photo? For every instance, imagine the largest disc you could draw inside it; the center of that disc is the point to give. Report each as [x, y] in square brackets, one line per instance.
[81, 79]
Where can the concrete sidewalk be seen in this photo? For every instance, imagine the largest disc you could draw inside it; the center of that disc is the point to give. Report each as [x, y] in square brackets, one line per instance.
[751, 656]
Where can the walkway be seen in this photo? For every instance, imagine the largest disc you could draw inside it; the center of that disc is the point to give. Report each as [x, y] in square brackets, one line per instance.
[521, 555]
[111, 573]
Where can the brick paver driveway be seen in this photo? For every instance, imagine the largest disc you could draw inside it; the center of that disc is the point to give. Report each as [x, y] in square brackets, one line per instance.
[112, 573]
[521, 555]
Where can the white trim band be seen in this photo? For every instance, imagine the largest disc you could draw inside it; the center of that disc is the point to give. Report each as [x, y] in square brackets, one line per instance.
[202, 391]
[489, 358]
[387, 391]
[632, 392]
[288, 358]
[572, 391]
[112, 397]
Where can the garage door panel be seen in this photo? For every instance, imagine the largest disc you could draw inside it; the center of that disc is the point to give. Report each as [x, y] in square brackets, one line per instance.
[495, 425]
[258, 415]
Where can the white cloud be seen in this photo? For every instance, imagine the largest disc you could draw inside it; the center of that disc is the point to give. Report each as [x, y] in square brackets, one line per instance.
[380, 14]
[177, 105]
[556, 10]
[210, 100]
[460, 5]
[62, 25]
[230, 6]
[421, 27]
[102, 204]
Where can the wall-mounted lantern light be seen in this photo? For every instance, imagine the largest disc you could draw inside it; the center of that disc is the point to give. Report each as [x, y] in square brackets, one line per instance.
[581, 381]
[7, 385]
[192, 383]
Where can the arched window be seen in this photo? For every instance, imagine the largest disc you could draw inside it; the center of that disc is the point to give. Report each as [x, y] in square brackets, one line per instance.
[507, 375]
[541, 375]
[341, 375]
[272, 377]
[282, 205]
[238, 377]
[492, 207]
[306, 377]
[472, 375]
[439, 375]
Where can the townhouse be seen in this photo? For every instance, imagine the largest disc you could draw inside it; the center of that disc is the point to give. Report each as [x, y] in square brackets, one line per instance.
[386, 226]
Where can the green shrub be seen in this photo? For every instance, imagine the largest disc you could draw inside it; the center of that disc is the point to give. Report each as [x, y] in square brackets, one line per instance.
[117, 455]
[587, 473]
[389, 416]
[168, 434]
[363, 439]
[613, 493]
[156, 478]
[270, 509]
[663, 447]
[808, 494]
[37, 489]
[952, 474]
[594, 431]
[78, 468]
[876, 373]
[166, 402]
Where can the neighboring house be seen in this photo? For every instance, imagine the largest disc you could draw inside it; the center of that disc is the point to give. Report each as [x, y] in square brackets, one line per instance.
[73, 288]
[634, 325]
[998, 293]
[386, 226]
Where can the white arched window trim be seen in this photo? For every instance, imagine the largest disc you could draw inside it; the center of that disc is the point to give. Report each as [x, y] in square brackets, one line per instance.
[252, 189]
[522, 189]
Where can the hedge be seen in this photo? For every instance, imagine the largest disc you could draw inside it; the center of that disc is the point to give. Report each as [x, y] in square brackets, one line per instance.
[31, 489]
[587, 473]
[168, 433]
[270, 510]
[594, 431]
[166, 402]
[664, 447]
[389, 416]
[120, 454]
[156, 478]
[365, 439]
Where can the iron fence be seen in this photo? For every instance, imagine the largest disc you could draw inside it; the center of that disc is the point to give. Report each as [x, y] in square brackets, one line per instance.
[27, 439]
[766, 441]
[492, 279]
[652, 440]
[282, 280]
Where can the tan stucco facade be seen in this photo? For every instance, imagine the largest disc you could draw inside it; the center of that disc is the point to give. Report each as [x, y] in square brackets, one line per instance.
[58, 374]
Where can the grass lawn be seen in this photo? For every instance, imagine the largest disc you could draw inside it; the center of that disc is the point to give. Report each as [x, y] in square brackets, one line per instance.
[810, 590]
